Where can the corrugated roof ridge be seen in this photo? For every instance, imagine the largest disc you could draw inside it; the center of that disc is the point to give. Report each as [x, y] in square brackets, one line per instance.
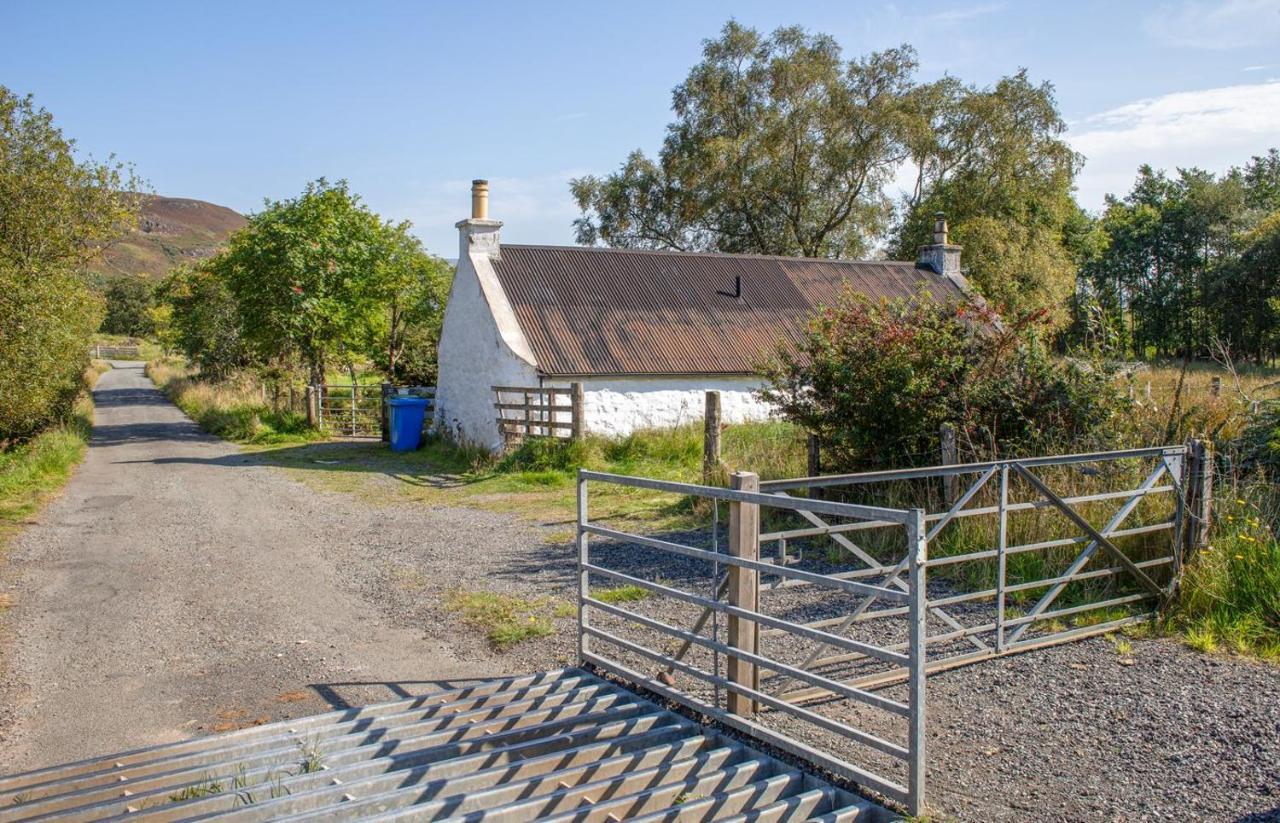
[677, 253]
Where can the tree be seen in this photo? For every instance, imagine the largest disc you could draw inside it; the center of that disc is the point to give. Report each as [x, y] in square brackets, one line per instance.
[302, 275]
[411, 287]
[994, 161]
[779, 146]
[204, 320]
[56, 213]
[128, 308]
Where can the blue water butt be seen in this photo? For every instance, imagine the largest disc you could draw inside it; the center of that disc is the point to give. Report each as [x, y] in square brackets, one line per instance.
[407, 414]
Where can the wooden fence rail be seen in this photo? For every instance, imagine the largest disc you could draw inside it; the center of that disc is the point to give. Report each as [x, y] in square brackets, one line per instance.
[539, 411]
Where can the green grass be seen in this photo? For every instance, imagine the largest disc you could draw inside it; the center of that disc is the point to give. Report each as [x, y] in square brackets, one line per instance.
[629, 593]
[31, 472]
[506, 619]
[1230, 594]
[231, 409]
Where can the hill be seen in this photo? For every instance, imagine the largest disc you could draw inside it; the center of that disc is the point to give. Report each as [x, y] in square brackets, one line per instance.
[171, 230]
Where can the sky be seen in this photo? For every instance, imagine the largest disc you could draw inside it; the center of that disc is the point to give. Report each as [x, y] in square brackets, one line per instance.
[238, 102]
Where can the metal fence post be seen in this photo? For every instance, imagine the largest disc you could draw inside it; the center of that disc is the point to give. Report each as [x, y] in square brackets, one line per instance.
[744, 591]
[577, 400]
[917, 604]
[584, 582]
[711, 438]
[1002, 558]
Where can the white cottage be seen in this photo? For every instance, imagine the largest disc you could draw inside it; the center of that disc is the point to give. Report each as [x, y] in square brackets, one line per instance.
[647, 333]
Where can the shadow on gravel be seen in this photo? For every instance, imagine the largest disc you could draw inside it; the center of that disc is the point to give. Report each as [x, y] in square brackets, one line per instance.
[363, 456]
[1271, 816]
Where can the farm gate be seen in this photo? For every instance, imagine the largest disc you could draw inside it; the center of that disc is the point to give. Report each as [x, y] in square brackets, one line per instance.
[357, 410]
[539, 411]
[812, 611]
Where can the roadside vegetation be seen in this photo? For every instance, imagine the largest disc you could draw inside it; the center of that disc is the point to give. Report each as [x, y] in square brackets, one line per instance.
[238, 409]
[34, 470]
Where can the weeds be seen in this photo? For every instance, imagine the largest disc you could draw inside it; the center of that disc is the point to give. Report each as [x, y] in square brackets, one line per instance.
[505, 619]
[1230, 594]
[629, 593]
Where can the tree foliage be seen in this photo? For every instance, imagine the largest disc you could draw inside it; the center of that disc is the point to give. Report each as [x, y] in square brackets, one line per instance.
[876, 381]
[56, 213]
[995, 162]
[317, 281]
[128, 308]
[1186, 263]
[779, 146]
[204, 320]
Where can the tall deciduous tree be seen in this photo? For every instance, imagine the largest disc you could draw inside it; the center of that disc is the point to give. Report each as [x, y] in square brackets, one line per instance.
[56, 213]
[779, 146]
[995, 162]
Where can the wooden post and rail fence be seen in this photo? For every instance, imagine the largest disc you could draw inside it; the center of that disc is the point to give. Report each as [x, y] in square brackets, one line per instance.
[540, 411]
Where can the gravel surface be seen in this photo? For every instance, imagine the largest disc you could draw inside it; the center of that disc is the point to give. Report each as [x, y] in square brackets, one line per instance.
[180, 586]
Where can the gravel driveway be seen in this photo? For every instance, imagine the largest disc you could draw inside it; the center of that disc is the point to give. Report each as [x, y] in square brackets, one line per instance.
[180, 586]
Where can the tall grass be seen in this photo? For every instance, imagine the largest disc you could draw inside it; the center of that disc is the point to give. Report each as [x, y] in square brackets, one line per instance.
[1230, 595]
[233, 409]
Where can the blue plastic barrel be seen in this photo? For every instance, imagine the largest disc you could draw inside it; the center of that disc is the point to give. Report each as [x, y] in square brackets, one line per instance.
[407, 414]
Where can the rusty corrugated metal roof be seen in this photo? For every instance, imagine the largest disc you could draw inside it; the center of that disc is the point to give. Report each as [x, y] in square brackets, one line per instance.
[596, 311]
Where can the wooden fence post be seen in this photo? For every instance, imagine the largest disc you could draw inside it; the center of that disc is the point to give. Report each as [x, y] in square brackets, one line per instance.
[814, 463]
[384, 413]
[311, 406]
[950, 457]
[577, 400]
[1198, 510]
[711, 439]
[743, 591]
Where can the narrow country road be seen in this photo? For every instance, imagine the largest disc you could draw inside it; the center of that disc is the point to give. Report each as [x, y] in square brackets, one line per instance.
[178, 587]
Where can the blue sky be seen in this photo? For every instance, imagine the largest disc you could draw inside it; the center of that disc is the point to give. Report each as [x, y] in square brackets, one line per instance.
[236, 101]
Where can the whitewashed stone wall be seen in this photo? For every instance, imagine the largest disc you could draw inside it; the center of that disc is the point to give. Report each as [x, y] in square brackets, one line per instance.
[480, 345]
[615, 407]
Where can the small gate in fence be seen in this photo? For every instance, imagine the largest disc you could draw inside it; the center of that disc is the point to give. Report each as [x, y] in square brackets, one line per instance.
[110, 352]
[819, 620]
[355, 410]
[539, 411]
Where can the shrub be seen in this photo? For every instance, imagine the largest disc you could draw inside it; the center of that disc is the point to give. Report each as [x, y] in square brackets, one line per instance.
[877, 380]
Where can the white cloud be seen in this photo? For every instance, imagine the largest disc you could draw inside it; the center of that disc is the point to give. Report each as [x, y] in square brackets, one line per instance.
[954, 15]
[1215, 25]
[1212, 129]
[536, 209]
[1262, 67]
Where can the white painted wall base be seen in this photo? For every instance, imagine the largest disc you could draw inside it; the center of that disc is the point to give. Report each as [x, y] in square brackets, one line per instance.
[615, 407]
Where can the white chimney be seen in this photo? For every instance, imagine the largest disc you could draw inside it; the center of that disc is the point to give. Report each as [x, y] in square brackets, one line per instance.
[478, 234]
[941, 257]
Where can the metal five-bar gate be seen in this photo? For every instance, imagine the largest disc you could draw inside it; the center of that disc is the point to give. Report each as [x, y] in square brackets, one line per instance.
[811, 622]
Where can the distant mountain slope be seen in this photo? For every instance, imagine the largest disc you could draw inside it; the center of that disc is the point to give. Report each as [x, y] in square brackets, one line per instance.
[171, 230]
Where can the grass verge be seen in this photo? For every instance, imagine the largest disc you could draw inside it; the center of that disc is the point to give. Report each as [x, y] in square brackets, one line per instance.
[232, 409]
[506, 619]
[33, 471]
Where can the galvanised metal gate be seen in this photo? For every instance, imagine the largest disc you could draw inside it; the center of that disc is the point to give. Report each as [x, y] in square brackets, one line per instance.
[349, 409]
[817, 634]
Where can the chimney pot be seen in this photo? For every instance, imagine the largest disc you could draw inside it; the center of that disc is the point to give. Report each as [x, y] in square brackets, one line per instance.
[939, 229]
[479, 199]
